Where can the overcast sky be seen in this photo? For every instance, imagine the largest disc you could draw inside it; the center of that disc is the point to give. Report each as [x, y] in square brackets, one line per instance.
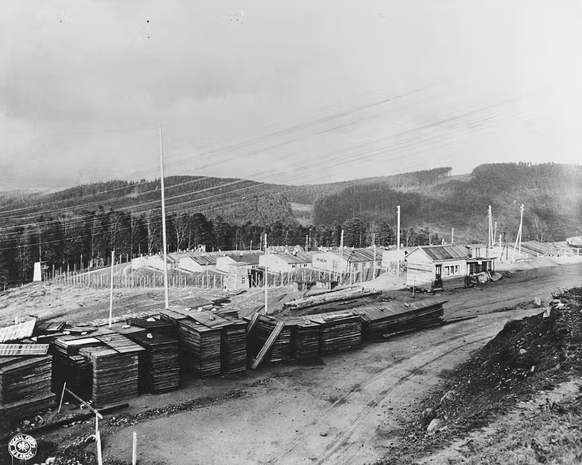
[284, 91]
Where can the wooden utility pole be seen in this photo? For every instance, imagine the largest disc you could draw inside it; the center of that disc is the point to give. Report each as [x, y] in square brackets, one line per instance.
[266, 277]
[398, 240]
[166, 297]
[374, 262]
[111, 291]
[341, 251]
[518, 238]
[453, 236]
[490, 238]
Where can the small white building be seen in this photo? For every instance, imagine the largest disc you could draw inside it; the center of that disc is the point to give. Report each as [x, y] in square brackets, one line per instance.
[250, 260]
[139, 262]
[346, 260]
[197, 262]
[237, 276]
[286, 262]
[437, 267]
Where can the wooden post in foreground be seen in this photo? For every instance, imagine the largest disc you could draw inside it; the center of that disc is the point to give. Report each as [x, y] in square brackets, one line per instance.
[99, 454]
[62, 397]
[134, 450]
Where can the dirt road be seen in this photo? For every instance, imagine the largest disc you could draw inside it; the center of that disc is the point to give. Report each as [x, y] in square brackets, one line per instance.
[345, 411]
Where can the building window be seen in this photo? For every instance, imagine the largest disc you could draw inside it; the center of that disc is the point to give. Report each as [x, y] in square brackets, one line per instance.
[452, 270]
[243, 280]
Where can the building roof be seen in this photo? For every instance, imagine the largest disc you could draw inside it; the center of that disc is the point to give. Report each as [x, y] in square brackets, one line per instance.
[295, 257]
[202, 258]
[542, 248]
[285, 248]
[358, 255]
[248, 258]
[439, 253]
[575, 241]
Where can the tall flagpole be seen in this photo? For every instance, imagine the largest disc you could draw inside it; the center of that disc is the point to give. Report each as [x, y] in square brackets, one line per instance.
[164, 220]
[111, 290]
[398, 240]
[266, 278]
[518, 237]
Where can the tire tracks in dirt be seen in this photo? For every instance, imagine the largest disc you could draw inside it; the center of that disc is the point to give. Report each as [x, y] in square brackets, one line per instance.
[343, 449]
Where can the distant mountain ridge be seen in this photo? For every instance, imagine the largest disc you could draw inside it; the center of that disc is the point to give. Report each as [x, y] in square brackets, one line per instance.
[551, 192]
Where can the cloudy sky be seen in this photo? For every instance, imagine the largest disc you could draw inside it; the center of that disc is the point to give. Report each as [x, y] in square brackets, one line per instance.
[284, 91]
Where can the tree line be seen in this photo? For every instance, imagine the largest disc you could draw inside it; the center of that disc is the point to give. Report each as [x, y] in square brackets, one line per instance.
[86, 239]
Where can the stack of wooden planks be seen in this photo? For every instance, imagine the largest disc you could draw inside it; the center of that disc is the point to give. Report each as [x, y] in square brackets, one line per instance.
[305, 337]
[70, 367]
[227, 313]
[199, 348]
[397, 317]
[234, 346]
[115, 366]
[153, 324]
[173, 317]
[281, 349]
[25, 387]
[158, 364]
[337, 295]
[338, 331]
[18, 331]
[210, 342]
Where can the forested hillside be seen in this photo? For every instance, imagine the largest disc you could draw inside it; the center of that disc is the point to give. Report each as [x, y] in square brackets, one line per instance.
[308, 194]
[551, 193]
[235, 200]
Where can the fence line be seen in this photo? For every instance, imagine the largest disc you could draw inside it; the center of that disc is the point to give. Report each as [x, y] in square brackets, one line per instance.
[211, 280]
[101, 280]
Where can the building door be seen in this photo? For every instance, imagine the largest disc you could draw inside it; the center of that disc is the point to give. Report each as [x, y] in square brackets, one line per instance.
[438, 280]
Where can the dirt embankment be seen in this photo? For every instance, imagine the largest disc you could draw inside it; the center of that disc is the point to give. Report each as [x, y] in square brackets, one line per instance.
[530, 355]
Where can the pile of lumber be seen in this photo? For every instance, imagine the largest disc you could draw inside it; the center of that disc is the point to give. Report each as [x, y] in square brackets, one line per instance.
[199, 348]
[228, 313]
[305, 337]
[397, 317]
[69, 366]
[153, 324]
[280, 350]
[234, 346]
[173, 317]
[18, 331]
[338, 331]
[24, 378]
[339, 295]
[209, 341]
[158, 363]
[49, 328]
[115, 366]
[25, 387]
